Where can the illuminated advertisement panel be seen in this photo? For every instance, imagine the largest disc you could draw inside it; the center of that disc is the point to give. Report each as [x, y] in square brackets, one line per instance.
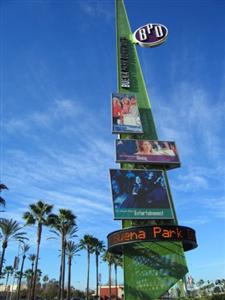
[147, 151]
[140, 194]
[125, 114]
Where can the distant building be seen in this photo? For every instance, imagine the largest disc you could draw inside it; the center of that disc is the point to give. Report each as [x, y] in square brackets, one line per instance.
[104, 292]
[11, 287]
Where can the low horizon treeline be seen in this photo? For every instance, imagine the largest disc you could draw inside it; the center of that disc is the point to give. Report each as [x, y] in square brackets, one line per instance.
[63, 225]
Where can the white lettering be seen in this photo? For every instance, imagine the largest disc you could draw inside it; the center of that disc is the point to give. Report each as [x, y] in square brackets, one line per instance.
[143, 35]
[158, 31]
[149, 27]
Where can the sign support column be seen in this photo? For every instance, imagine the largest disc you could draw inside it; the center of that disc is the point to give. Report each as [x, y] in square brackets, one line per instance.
[151, 267]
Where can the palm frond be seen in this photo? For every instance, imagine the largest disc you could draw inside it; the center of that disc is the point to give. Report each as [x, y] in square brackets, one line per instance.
[72, 248]
[3, 187]
[32, 257]
[108, 257]
[2, 201]
[55, 232]
[35, 209]
[48, 208]
[11, 229]
[51, 220]
[29, 218]
[39, 212]
[25, 247]
[87, 243]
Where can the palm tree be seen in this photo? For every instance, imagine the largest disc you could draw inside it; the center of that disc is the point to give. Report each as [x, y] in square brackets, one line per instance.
[64, 226]
[71, 250]
[32, 258]
[24, 248]
[7, 271]
[99, 247]
[15, 267]
[45, 280]
[10, 230]
[118, 262]
[39, 214]
[109, 258]
[28, 276]
[87, 243]
[2, 187]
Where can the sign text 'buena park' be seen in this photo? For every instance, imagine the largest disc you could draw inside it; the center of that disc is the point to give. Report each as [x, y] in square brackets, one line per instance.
[152, 233]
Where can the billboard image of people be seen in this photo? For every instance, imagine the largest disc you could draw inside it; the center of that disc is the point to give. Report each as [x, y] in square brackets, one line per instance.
[147, 151]
[125, 114]
[140, 194]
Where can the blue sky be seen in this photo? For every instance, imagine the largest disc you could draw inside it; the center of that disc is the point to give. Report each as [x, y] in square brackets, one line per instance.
[59, 69]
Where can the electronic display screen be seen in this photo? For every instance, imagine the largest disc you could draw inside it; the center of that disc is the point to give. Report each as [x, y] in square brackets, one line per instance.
[125, 114]
[147, 152]
[140, 194]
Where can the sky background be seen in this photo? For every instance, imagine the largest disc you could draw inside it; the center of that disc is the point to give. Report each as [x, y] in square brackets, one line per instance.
[59, 70]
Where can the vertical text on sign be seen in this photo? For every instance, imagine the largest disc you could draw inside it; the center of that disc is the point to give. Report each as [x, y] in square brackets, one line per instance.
[124, 63]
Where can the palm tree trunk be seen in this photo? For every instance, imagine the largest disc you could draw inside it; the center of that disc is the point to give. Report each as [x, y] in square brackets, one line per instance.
[60, 278]
[4, 245]
[20, 278]
[39, 231]
[115, 268]
[63, 268]
[60, 292]
[110, 281]
[8, 290]
[69, 278]
[31, 280]
[96, 257]
[6, 282]
[11, 293]
[88, 271]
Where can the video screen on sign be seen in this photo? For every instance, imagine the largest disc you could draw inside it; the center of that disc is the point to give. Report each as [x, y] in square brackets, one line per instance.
[140, 194]
[147, 151]
[125, 114]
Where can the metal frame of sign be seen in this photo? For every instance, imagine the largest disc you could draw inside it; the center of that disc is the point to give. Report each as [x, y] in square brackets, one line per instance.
[167, 164]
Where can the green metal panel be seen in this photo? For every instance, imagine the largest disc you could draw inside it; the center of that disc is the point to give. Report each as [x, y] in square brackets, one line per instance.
[150, 269]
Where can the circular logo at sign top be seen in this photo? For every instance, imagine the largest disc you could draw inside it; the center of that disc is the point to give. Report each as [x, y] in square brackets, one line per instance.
[150, 35]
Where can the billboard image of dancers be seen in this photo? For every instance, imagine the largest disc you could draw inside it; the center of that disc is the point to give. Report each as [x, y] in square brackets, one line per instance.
[140, 194]
[147, 151]
[125, 114]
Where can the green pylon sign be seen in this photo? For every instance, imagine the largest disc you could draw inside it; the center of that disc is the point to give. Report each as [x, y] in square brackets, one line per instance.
[150, 268]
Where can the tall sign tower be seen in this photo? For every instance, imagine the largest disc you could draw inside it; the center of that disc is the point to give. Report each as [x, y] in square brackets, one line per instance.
[151, 241]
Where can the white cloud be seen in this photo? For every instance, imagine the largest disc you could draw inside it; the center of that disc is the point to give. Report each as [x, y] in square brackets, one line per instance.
[215, 206]
[58, 111]
[16, 126]
[191, 181]
[97, 9]
[200, 220]
[192, 119]
[77, 202]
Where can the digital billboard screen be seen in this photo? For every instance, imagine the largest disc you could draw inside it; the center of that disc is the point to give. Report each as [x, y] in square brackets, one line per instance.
[140, 194]
[125, 114]
[147, 151]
